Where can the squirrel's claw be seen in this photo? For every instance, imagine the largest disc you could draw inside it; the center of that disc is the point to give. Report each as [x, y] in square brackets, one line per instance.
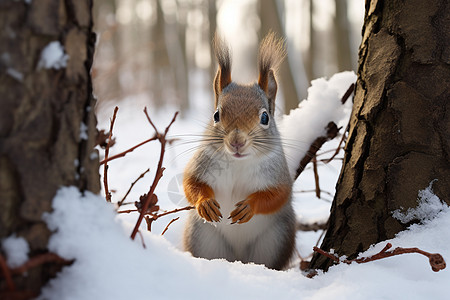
[242, 213]
[209, 210]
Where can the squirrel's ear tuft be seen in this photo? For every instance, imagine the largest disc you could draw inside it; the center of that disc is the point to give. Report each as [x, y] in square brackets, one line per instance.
[272, 51]
[223, 75]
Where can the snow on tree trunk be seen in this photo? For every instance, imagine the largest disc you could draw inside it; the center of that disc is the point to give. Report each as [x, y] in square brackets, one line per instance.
[399, 138]
[47, 121]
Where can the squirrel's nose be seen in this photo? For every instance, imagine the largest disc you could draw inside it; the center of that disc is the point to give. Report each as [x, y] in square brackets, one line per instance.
[237, 144]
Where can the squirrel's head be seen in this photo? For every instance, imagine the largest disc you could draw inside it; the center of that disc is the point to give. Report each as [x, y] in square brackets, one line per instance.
[244, 114]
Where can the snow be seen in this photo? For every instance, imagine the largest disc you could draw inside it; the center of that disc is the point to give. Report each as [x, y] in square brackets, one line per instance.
[53, 56]
[429, 205]
[14, 74]
[83, 131]
[109, 265]
[16, 250]
[303, 125]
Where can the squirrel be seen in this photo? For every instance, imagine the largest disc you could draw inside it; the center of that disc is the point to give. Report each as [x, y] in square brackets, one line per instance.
[240, 171]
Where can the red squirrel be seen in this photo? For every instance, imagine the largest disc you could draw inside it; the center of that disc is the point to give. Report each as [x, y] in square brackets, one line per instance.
[238, 180]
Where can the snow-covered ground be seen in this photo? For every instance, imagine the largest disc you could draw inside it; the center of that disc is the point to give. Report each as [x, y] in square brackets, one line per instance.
[110, 266]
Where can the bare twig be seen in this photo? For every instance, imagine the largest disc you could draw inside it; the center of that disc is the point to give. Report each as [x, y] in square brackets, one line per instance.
[316, 177]
[105, 167]
[313, 191]
[159, 170]
[122, 154]
[157, 216]
[131, 187]
[436, 260]
[347, 94]
[7, 274]
[142, 239]
[311, 227]
[339, 147]
[332, 131]
[170, 223]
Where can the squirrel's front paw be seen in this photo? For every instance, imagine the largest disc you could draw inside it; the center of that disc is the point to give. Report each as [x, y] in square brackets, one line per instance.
[209, 210]
[242, 213]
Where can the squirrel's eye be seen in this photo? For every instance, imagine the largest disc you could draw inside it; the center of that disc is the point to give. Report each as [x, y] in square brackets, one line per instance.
[216, 116]
[264, 118]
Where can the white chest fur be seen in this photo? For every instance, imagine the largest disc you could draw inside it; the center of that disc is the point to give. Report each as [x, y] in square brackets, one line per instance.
[232, 182]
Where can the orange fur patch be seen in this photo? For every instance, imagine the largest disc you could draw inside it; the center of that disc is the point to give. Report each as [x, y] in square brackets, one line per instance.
[196, 191]
[270, 200]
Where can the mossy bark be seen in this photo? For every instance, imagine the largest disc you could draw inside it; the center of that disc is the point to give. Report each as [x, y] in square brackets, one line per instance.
[399, 137]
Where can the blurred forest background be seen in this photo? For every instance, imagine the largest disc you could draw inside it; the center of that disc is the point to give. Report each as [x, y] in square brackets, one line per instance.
[158, 51]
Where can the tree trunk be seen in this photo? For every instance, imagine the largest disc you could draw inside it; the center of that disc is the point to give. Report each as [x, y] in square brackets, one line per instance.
[399, 137]
[47, 121]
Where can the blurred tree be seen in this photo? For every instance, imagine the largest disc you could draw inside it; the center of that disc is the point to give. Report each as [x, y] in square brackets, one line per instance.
[162, 79]
[212, 16]
[270, 16]
[342, 36]
[47, 121]
[399, 137]
[310, 62]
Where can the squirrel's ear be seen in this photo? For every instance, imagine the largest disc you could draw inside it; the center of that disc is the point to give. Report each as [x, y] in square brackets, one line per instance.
[223, 75]
[268, 84]
[271, 53]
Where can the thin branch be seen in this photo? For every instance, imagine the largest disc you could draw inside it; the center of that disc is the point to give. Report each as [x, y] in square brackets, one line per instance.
[170, 223]
[131, 187]
[7, 274]
[339, 147]
[122, 154]
[39, 260]
[347, 94]
[159, 171]
[313, 191]
[316, 226]
[436, 260]
[316, 177]
[332, 131]
[156, 217]
[142, 239]
[105, 167]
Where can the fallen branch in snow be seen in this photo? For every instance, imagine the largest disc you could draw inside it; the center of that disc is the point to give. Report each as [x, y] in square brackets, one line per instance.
[145, 201]
[105, 167]
[131, 187]
[436, 260]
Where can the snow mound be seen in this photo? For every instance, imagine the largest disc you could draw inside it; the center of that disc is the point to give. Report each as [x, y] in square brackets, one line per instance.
[429, 206]
[304, 124]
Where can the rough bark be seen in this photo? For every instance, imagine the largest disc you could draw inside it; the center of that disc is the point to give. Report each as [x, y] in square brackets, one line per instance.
[399, 137]
[41, 148]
